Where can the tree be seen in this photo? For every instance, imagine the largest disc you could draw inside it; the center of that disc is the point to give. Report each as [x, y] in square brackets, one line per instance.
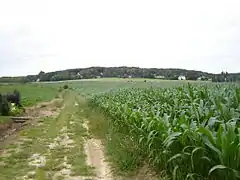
[41, 73]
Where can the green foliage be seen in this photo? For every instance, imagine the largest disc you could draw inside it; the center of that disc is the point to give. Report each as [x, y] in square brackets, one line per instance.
[8, 108]
[19, 79]
[191, 131]
[14, 110]
[117, 72]
[4, 106]
[122, 72]
[65, 86]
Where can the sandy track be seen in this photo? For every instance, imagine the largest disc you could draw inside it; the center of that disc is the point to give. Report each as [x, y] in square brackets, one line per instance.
[58, 137]
[95, 157]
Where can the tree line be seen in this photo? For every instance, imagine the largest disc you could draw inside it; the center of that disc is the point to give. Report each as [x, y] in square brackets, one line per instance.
[123, 72]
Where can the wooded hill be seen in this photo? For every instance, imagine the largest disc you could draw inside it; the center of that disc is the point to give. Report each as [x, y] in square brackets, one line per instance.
[123, 72]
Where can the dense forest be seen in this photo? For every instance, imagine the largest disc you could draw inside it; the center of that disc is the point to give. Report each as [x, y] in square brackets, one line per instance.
[123, 72]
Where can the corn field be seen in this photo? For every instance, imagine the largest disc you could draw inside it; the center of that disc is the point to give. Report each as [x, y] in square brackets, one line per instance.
[192, 132]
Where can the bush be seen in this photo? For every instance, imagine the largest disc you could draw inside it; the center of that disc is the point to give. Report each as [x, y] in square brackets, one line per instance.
[4, 106]
[6, 99]
[0, 104]
[65, 86]
[14, 110]
[14, 98]
[17, 97]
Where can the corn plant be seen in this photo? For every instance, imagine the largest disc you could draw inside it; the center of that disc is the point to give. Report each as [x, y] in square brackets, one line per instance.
[190, 131]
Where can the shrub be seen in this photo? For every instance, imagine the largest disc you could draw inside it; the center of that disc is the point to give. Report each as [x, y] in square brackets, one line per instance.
[14, 98]
[4, 106]
[14, 110]
[0, 104]
[6, 99]
[65, 86]
[17, 97]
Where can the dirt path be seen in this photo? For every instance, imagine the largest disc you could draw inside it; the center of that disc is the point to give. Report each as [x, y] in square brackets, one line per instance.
[34, 113]
[95, 156]
[56, 146]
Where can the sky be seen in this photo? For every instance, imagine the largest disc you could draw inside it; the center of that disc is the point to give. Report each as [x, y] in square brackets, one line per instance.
[51, 35]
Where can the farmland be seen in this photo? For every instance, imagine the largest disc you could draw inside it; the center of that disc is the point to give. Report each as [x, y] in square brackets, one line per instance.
[31, 93]
[92, 87]
[172, 129]
[189, 131]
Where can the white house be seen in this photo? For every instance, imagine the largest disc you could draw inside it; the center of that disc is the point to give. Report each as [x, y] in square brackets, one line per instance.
[160, 77]
[181, 78]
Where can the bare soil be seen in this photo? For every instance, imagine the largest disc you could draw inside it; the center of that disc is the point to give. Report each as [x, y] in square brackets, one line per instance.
[46, 109]
[95, 157]
[9, 128]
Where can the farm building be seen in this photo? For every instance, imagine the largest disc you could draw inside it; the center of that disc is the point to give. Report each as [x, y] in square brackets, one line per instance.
[160, 77]
[181, 78]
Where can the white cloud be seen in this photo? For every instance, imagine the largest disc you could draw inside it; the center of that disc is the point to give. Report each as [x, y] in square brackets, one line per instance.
[53, 34]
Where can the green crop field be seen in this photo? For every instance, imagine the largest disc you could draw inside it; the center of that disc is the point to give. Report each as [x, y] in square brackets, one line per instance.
[179, 130]
[95, 86]
[31, 93]
[192, 132]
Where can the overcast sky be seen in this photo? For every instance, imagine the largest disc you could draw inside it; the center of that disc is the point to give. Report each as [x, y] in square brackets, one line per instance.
[52, 35]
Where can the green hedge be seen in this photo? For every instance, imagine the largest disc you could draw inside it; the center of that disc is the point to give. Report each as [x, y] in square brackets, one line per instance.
[4, 105]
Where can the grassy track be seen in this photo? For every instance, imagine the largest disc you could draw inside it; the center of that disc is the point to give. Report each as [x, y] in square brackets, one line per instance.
[51, 150]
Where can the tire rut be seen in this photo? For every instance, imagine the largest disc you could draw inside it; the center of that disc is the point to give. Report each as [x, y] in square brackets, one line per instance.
[95, 157]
